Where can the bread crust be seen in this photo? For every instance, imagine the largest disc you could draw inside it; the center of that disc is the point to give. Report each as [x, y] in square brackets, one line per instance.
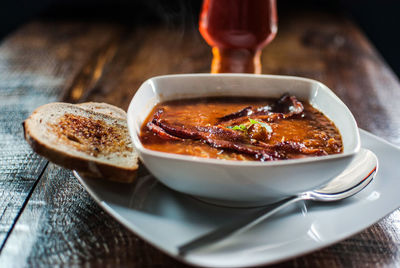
[98, 169]
[102, 107]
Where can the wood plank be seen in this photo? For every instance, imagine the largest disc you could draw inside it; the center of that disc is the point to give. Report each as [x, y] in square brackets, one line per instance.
[56, 235]
[37, 64]
[140, 56]
[61, 225]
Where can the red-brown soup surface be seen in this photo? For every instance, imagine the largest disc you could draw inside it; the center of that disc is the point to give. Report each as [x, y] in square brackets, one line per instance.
[240, 128]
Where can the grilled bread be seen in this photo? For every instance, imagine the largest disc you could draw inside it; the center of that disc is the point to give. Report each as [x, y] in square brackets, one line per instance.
[90, 137]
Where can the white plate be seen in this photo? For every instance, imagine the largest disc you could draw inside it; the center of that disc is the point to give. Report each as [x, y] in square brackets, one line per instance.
[167, 219]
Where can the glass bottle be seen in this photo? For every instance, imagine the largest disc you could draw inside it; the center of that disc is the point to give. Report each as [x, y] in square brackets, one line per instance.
[237, 31]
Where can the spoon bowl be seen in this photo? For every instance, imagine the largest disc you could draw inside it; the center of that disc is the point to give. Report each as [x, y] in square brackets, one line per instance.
[352, 180]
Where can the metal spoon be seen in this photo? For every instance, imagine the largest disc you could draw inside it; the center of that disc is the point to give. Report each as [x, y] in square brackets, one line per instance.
[352, 180]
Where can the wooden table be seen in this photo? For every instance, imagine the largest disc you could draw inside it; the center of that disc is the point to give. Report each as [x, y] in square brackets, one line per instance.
[47, 218]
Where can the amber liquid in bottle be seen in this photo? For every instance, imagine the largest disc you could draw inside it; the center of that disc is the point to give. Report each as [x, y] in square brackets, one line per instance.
[237, 30]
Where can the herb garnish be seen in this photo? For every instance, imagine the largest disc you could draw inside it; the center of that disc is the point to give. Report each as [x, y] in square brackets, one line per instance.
[267, 127]
[243, 127]
[238, 127]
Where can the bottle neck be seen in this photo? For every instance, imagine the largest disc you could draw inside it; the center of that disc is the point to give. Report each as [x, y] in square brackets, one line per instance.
[236, 60]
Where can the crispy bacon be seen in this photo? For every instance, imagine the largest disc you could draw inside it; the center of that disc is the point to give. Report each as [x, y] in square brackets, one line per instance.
[196, 132]
[218, 137]
[161, 132]
[288, 105]
[260, 153]
[292, 147]
[175, 129]
[285, 107]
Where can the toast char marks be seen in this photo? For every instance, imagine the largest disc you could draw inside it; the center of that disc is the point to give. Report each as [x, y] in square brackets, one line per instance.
[91, 135]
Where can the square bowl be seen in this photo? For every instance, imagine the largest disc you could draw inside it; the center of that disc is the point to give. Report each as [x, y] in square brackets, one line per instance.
[242, 183]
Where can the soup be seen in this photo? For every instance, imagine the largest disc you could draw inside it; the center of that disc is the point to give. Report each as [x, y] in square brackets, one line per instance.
[241, 128]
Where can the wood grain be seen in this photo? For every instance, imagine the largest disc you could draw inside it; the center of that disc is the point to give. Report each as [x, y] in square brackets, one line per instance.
[62, 226]
[37, 64]
[140, 56]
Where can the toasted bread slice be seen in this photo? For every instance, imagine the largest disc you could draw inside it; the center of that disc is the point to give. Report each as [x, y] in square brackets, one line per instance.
[91, 138]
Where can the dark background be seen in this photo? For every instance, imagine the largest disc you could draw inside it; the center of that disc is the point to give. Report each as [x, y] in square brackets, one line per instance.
[379, 19]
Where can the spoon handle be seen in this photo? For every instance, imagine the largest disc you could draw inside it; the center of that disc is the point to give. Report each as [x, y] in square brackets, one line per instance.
[237, 226]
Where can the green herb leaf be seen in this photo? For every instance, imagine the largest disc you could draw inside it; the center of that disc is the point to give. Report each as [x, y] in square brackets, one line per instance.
[252, 122]
[238, 127]
[267, 127]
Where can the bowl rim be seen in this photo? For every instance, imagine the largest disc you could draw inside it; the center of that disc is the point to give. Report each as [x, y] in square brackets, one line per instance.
[213, 161]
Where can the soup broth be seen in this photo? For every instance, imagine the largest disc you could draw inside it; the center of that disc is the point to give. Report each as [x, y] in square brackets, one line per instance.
[241, 128]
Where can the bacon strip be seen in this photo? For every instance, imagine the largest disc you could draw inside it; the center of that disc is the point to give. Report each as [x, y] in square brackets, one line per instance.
[258, 152]
[218, 137]
[292, 147]
[287, 106]
[196, 132]
[161, 132]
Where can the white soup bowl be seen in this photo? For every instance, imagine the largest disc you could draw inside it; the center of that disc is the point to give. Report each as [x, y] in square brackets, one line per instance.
[242, 183]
